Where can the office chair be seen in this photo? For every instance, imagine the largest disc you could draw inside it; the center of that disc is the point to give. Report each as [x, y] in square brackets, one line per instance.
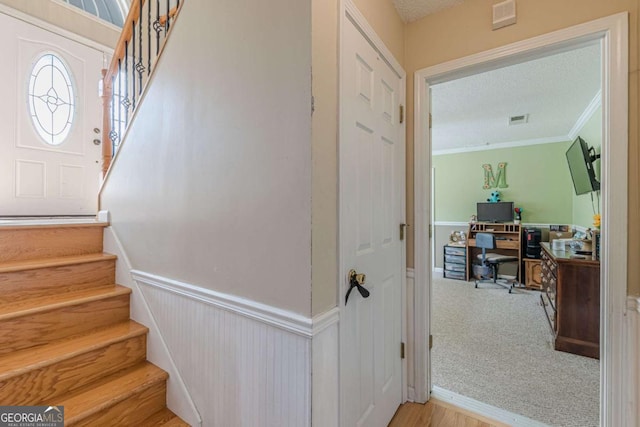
[493, 261]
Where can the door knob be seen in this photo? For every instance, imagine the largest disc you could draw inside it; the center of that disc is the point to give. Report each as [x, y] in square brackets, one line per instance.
[356, 280]
[358, 277]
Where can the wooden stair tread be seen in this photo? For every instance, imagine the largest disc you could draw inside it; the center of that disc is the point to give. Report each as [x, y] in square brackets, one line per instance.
[11, 266]
[164, 418]
[29, 226]
[52, 302]
[109, 391]
[20, 362]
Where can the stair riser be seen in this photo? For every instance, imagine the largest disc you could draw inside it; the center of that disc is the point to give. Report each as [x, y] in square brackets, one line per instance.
[19, 244]
[41, 328]
[129, 412]
[46, 383]
[19, 285]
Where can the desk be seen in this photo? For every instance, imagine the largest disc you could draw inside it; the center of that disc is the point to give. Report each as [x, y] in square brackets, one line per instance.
[571, 301]
[508, 242]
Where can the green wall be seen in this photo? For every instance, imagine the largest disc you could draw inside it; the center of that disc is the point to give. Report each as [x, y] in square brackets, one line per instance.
[537, 175]
[591, 132]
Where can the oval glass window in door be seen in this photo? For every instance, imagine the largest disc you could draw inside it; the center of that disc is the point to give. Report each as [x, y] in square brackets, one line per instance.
[51, 99]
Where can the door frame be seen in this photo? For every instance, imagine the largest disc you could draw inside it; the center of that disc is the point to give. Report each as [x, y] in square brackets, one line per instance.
[612, 31]
[349, 12]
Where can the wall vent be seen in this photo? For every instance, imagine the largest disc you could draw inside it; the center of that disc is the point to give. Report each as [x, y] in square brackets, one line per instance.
[518, 120]
[504, 13]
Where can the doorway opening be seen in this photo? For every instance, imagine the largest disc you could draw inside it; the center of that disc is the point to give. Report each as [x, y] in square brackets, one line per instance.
[505, 133]
[612, 35]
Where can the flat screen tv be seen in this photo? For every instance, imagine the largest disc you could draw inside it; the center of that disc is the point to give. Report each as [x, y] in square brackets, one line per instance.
[580, 158]
[495, 212]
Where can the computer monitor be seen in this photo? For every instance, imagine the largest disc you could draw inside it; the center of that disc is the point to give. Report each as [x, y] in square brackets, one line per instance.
[495, 212]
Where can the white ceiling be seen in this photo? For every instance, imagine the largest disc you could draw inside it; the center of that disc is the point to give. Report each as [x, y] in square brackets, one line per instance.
[412, 10]
[556, 92]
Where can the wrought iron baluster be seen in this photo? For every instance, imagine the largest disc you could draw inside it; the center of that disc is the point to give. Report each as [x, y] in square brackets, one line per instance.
[166, 24]
[120, 130]
[148, 37]
[140, 64]
[157, 27]
[113, 135]
[133, 66]
[126, 102]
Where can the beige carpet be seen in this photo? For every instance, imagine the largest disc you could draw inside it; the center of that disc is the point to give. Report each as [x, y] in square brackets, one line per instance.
[495, 347]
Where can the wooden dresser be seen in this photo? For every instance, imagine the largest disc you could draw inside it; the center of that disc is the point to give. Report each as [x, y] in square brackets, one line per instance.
[571, 301]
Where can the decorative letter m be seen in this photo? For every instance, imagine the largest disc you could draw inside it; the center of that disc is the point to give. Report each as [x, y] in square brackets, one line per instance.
[491, 181]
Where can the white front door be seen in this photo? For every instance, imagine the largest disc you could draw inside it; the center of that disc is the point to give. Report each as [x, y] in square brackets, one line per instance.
[371, 211]
[49, 119]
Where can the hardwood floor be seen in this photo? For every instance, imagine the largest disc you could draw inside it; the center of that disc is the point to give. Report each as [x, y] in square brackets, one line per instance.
[436, 413]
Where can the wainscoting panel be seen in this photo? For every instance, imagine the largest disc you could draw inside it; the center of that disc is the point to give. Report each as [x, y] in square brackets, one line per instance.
[632, 403]
[240, 370]
[410, 344]
[326, 387]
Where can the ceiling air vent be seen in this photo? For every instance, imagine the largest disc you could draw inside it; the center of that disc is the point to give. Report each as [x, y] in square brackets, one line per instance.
[504, 13]
[518, 120]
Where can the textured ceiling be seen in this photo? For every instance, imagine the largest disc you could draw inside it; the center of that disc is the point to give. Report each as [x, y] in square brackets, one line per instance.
[554, 91]
[411, 10]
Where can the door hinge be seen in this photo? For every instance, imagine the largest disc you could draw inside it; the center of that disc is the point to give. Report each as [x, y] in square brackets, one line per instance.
[402, 229]
[401, 350]
[401, 114]
[313, 105]
[430, 120]
[430, 342]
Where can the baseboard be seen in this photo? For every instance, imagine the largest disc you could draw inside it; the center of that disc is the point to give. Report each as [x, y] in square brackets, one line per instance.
[179, 399]
[484, 409]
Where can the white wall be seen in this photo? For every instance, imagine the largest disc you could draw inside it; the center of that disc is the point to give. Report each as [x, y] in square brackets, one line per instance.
[212, 185]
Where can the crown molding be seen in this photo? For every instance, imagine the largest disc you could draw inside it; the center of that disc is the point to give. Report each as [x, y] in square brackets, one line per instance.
[510, 144]
[588, 112]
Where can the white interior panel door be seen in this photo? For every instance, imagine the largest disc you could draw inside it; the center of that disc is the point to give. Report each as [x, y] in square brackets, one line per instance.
[371, 156]
[50, 117]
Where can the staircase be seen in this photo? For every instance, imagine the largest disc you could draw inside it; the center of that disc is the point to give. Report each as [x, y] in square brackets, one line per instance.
[65, 333]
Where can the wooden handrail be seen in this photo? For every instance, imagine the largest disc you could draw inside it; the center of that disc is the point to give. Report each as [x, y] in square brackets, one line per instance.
[133, 66]
[172, 13]
[125, 37]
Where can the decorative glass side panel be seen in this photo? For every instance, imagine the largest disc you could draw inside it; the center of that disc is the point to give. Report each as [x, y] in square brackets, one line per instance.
[51, 99]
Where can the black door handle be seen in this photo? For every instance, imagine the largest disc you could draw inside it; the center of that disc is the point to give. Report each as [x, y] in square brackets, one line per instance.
[356, 281]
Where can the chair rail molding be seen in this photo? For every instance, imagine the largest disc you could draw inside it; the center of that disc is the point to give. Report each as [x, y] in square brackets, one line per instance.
[272, 316]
